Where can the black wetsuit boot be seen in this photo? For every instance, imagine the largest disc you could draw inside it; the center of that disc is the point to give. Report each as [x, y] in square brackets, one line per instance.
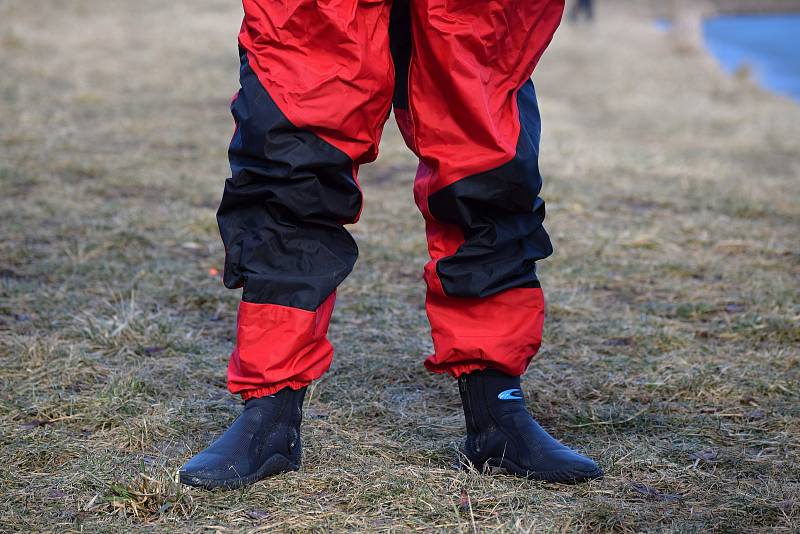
[264, 440]
[501, 433]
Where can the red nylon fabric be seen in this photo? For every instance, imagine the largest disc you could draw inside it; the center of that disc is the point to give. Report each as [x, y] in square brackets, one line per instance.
[469, 60]
[279, 346]
[327, 66]
[503, 331]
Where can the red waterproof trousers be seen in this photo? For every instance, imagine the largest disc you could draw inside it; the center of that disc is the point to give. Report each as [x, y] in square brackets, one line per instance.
[318, 79]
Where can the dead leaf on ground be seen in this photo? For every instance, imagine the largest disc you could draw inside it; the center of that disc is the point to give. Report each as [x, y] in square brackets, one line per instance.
[706, 455]
[653, 493]
[464, 502]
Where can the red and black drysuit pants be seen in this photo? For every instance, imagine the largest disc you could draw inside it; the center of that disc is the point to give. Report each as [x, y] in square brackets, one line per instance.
[318, 79]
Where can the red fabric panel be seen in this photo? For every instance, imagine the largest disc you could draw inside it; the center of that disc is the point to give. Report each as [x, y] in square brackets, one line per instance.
[503, 331]
[327, 66]
[403, 119]
[278, 346]
[469, 60]
[443, 239]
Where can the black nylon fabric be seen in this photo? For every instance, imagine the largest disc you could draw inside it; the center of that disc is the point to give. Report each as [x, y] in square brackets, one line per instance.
[501, 215]
[283, 208]
[400, 45]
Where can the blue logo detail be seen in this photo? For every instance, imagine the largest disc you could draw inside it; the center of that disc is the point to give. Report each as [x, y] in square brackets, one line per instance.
[510, 394]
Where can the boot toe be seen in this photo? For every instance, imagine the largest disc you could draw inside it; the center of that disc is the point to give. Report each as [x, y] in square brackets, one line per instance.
[209, 469]
[586, 469]
[569, 467]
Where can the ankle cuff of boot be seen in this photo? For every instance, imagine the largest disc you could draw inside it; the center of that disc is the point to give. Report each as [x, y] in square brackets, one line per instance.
[491, 378]
[272, 389]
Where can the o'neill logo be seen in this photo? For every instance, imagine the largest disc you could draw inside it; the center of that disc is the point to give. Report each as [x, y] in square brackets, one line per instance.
[510, 394]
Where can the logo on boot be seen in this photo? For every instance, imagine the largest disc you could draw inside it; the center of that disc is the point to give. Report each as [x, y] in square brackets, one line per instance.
[510, 394]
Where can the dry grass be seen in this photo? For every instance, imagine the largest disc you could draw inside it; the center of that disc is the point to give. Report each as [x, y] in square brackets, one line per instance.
[672, 342]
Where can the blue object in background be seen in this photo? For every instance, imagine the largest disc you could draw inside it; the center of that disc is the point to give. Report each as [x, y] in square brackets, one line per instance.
[769, 44]
[663, 25]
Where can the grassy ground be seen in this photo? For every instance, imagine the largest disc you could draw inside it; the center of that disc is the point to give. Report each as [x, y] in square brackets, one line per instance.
[671, 348]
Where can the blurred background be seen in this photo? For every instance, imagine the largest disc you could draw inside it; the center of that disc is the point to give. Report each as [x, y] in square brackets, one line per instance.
[672, 180]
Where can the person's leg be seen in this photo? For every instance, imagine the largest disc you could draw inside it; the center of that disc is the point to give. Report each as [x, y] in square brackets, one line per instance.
[473, 121]
[316, 84]
[472, 118]
[575, 10]
[589, 6]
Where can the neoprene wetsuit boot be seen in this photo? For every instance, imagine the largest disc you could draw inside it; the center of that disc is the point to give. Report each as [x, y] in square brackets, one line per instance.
[501, 433]
[264, 440]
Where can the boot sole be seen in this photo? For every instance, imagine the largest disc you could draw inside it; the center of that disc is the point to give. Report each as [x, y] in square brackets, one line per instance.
[558, 476]
[504, 465]
[274, 465]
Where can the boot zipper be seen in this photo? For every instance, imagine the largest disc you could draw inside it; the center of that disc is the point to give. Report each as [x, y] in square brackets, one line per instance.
[471, 425]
